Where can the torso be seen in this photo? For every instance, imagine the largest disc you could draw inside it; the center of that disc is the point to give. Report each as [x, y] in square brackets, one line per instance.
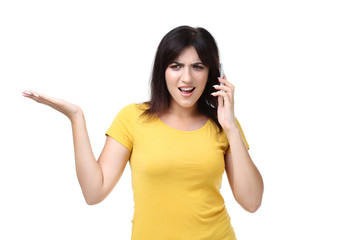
[176, 175]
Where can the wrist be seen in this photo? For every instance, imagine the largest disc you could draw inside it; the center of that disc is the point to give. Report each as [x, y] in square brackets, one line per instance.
[230, 125]
[76, 116]
[232, 129]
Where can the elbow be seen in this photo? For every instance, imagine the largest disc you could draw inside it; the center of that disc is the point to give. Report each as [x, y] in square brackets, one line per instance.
[93, 196]
[251, 205]
[92, 200]
[252, 208]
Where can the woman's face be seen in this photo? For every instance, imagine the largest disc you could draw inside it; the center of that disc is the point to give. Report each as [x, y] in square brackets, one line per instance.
[186, 79]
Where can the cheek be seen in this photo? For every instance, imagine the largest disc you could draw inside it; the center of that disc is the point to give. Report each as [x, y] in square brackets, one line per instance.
[170, 77]
[167, 79]
[203, 80]
[171, 83]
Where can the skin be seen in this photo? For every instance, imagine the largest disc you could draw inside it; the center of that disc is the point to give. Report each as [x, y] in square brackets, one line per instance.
[186, 71]
[244, 178]
[98, 177]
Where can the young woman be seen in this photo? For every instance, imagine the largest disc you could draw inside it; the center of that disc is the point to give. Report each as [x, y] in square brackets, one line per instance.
[178, 145]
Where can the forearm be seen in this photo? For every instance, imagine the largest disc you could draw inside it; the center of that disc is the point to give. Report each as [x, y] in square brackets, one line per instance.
[88, 170]
[247, 184]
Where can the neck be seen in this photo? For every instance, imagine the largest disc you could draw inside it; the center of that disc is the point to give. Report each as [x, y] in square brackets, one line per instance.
[183, 112]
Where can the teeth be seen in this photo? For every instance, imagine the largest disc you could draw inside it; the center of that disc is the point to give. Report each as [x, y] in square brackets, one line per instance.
[186, 89]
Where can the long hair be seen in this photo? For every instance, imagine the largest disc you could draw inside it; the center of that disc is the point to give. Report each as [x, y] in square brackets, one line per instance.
[170, 47]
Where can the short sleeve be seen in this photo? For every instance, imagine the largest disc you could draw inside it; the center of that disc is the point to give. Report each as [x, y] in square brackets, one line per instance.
[122, 128]
[243, 137]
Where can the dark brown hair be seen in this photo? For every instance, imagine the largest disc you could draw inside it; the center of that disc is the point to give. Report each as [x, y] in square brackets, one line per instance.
[170, 47]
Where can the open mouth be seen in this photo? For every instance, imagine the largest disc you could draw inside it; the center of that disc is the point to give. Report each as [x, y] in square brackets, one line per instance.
[187, 90]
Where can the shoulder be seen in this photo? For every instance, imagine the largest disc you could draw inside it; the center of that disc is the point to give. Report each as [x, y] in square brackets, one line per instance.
[132, 114]
[128, 116]
[134, 109]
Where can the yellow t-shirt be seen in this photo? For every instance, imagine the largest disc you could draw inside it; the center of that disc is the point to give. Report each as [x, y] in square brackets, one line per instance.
[176, 178]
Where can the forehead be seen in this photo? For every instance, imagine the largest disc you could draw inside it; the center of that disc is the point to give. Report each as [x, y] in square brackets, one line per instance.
[189, 54]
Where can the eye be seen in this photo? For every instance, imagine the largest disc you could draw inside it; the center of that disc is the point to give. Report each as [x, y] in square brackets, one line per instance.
[199, 67]
[175, 66]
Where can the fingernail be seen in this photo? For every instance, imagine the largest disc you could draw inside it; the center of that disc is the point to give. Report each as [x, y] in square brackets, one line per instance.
[215, 86]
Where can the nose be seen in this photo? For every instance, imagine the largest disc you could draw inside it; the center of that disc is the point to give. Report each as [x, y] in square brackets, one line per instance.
[186, 76]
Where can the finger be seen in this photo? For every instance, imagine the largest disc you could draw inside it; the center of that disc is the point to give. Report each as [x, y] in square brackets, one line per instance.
[223, 88]
[32, 96]
[28, 93]
[41, 98]
[35, 95]
[225, 82]
[224, 77]
[223, 95]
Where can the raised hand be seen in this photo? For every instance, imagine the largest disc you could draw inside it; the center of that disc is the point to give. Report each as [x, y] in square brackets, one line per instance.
[68, 109]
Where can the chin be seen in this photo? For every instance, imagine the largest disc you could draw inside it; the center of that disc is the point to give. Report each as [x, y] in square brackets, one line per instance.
[186, 104]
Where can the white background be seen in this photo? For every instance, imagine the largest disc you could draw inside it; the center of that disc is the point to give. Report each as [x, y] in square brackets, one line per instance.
[295, 65]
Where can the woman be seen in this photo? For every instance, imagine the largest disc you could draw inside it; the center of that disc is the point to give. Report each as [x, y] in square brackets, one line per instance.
[178, 145]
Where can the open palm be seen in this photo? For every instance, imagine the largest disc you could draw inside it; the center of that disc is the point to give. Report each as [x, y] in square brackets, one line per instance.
[68, 109]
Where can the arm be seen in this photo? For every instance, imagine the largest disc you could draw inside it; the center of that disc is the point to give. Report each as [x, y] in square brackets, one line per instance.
[244, 178]
[96, 178]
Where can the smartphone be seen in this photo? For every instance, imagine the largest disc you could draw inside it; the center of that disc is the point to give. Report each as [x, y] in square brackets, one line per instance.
[221, 70]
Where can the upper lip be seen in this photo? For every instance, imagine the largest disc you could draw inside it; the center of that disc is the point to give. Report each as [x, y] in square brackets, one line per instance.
[187, 87]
